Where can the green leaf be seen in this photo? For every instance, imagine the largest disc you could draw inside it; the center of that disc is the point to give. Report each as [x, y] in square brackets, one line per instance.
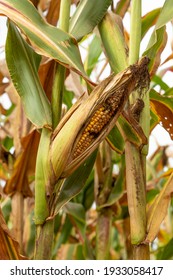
[63, 234]
[165, 16]
[8, 143]
[113, 41]
[129, 131]
[159, 81]
[87, 15]
[68, 98]
[47, 40]
[154, 120]
[6, 208]
[154, 52]
[118, 188]
[166, 251]
[151, 195]
[158, 38]
[75, 182]
[149, 20]
[23, 65]
[94, 51]
[77, 211]
[88, 192]
[116, 140]
[132, 131]
[169, 92]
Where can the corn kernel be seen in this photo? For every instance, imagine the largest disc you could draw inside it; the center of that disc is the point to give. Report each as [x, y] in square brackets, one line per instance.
[97, 122]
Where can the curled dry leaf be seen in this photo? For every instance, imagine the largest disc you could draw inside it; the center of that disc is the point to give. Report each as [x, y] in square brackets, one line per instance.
[46, 75]
[24, 166]
[9, 246]
[158, 210]
[162, 105]
[53, 12]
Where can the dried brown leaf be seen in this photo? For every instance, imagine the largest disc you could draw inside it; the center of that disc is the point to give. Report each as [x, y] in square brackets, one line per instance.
[44, 4]
[4, 69]
[53, 13]
[3, 87]
[168, 58]
[158, 210]
[9, 247]
[35, 2]
[24, 166]
[2, 110]
[165, 115]
[46, 75]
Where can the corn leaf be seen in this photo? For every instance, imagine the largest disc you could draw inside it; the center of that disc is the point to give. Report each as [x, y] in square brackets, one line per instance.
[9, 246]
[77, 213]
[122, 7]
[76, 210]
[158, 210]
[118, 188]
[132, 130]
[157, 80]
[94, 51]
[166, 252]
[126, 129]
[158, 39]
[162, 106]
[111, 32]
[155, 51]
[23, 65]
[164, 17]
[149, 20]
[75, 182]
[46, 39]
[154, 120]
[24, 166]
[116, 140]
[87, 15]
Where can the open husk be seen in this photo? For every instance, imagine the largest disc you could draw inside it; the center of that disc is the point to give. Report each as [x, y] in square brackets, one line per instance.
[90, 120]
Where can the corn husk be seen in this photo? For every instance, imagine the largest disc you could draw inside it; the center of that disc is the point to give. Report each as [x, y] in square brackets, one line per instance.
[110, 96]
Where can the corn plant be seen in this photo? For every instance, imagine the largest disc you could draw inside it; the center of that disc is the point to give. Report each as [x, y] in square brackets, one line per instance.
[77, 183]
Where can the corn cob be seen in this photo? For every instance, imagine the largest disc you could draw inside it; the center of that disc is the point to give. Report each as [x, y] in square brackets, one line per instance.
[108, 109]
[97, 122]
[90, 120]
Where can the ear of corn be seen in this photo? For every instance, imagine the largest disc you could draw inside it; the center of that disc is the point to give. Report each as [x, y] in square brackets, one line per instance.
[90, 120]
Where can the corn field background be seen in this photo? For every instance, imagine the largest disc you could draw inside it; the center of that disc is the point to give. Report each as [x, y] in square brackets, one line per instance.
[76, 181]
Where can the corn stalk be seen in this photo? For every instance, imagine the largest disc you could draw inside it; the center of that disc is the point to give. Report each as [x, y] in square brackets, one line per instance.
[135, 160]
[45, 229]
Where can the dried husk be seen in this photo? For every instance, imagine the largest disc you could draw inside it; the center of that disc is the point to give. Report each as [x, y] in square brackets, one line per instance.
[112, 93]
